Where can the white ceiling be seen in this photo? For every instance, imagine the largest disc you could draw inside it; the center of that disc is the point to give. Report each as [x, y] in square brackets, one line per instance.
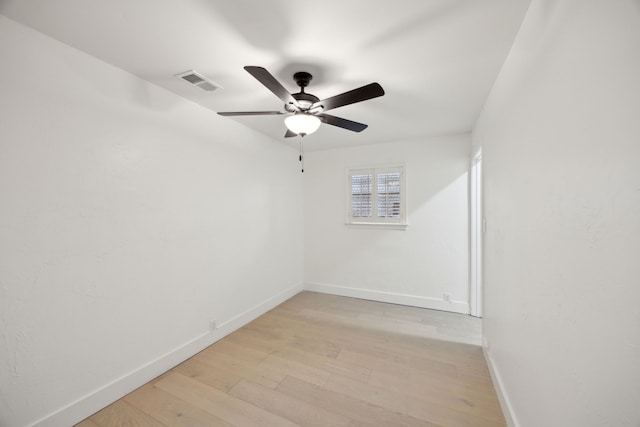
[436, 59]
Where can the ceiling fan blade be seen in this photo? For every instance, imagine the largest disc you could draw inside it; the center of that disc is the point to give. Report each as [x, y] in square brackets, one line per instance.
[251, 113]
[372, 90]
[342, 123]
[270, 82]
[290, 134]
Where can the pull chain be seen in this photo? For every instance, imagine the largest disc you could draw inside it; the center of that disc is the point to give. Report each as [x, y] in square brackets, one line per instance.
[300, 157]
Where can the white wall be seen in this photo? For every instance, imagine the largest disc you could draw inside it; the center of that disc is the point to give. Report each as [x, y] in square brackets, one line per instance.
[561, 145]
[129, 219]
[413, 266]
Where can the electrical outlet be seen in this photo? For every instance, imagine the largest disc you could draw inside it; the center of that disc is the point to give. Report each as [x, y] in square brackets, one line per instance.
[212, 325]
[446, 297]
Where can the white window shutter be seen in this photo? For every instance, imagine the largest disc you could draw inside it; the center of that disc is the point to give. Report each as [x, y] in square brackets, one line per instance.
[376, 196]
[362, 196]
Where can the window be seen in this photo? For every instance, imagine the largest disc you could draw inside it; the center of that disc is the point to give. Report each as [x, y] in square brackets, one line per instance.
[376, 196]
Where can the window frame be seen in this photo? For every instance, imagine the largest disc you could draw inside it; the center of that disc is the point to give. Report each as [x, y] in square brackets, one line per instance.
[374, 221]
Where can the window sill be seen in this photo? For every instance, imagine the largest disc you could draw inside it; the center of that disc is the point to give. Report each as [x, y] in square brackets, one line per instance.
[378, 225]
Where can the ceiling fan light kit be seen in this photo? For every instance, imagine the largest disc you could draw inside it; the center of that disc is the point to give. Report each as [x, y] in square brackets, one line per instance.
[302, 123]
[306, 111]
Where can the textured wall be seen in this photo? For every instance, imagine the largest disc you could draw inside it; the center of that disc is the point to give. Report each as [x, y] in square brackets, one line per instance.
[560, 136]
[130, 218]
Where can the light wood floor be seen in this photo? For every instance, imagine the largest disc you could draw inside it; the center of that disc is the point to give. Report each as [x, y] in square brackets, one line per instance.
[323, 360]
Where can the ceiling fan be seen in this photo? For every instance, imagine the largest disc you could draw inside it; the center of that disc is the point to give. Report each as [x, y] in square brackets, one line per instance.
[306, 111]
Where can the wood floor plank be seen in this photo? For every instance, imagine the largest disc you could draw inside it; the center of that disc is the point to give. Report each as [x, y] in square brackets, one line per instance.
[323, 360]
[409, 363]
[397, 372]
[170, 411]
[222, 405]
[348, 405]
[87, 423]
[250, 370]
[266, 341]
[285, 367]
[287, 406]
[121, 413]
[246, 354]
[353, 370]
[420, 409]
[407, 367]
[457, 397]
[209, 373]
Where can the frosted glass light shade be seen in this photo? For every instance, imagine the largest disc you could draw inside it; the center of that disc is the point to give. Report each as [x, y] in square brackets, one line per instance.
[302, 124]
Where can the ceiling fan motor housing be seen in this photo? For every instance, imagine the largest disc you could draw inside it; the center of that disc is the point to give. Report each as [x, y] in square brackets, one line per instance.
[305, 100]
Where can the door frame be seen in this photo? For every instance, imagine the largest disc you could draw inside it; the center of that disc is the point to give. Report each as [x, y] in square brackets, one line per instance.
[476, 231]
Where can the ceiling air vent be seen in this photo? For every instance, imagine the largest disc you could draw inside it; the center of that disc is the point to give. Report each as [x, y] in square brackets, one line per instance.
[196, 79]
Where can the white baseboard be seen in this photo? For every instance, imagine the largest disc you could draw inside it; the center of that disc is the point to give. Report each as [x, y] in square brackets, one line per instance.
[109, 393]
[505, 404]
[393, 298]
